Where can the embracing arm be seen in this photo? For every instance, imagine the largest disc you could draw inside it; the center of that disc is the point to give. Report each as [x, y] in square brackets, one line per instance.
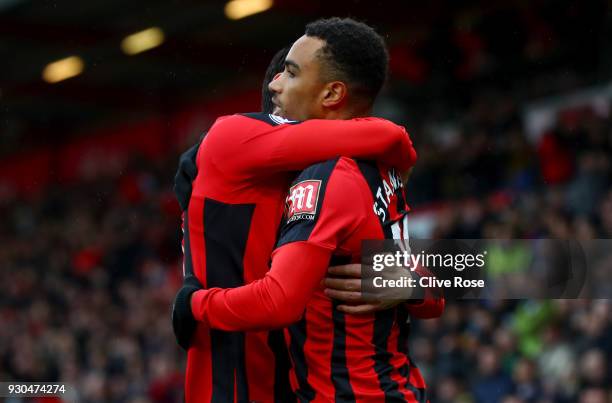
[345, 285]
[319, 140]
[254, 144]
[433, 302]
[275, 301]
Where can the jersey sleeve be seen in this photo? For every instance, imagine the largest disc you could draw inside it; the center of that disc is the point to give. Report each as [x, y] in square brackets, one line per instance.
[266, 143]
[185, 175]
[325, 204]
[314, 228]
[275, 301]
[432, 304]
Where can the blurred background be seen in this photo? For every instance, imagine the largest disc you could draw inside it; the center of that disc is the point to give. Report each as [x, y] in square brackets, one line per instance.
[508, 104]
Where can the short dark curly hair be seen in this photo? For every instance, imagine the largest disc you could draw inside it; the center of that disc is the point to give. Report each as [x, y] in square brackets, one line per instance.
[354, 52]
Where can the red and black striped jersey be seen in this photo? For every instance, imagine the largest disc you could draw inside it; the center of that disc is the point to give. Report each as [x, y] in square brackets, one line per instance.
[339, 357]
[331, 207]
[230, 228]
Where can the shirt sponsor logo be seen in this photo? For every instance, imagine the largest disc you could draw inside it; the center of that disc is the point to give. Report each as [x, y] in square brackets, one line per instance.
[302, 200]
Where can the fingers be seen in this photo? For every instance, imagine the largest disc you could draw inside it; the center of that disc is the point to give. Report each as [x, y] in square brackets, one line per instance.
[367, 307]
[348, 270]
[346, 296]
[362, 309]
[343, 284]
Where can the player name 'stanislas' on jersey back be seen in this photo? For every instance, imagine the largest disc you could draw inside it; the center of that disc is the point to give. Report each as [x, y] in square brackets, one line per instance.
[337, 204]
[385, 192]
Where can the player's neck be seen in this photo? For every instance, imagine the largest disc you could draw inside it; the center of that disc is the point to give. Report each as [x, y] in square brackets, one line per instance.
[348, 113]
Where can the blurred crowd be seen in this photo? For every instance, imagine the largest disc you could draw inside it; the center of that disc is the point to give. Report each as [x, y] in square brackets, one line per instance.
[495, 183]
[88, 274]
[500, 184]
[517, 352]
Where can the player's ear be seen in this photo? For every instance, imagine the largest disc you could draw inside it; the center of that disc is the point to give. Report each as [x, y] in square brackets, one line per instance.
[335, 94]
